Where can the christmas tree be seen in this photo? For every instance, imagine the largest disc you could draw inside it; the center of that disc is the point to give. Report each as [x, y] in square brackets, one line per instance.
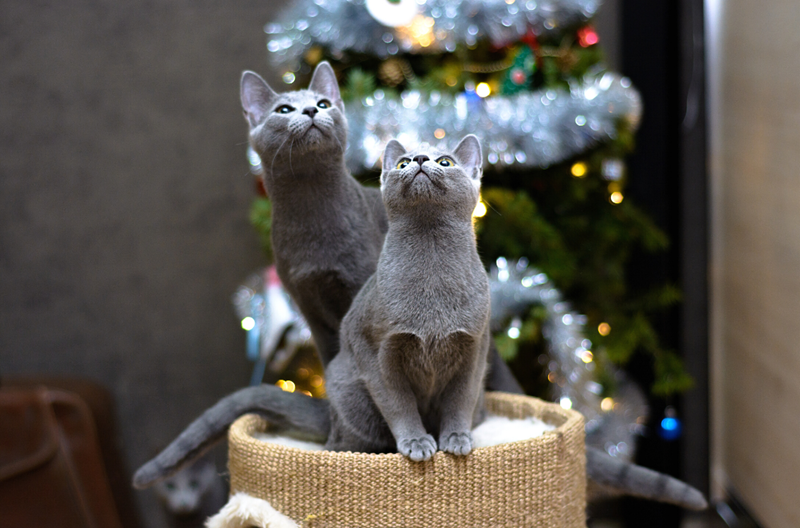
[529, 79]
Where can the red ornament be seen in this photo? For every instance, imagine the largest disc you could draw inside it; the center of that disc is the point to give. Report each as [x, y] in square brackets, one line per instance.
[587, 36]
[530, 40]
[261, 189]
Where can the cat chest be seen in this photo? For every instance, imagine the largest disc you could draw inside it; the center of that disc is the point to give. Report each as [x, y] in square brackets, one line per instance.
[430, 364]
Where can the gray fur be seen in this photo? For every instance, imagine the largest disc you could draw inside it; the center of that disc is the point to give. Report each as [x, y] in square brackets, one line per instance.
[283, 409]
[631, 479]
[415, 342]
[327, 229]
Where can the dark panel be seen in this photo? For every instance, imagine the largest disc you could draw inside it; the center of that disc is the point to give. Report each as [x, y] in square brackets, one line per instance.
[694, 243]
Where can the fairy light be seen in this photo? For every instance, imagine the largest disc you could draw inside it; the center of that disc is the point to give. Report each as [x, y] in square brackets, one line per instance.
[587, 357]
[587, 36]
[420, 31]
[316, 381]
[579, 170]
[286, 385]
[248, 323]
[565, 402]
[483, 89]
[604, 329]
[607, 404]
[513, 332]
[288, 77]
[616, 197]
[439, 133]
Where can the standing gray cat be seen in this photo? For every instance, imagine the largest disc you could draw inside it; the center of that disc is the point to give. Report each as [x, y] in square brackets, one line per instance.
[414, 344]
[327, 229]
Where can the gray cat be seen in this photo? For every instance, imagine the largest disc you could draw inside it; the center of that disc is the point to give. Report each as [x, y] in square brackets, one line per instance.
[415, 342]
[327, 229]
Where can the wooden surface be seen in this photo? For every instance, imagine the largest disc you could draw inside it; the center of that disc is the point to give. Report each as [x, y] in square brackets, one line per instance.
[755, 79]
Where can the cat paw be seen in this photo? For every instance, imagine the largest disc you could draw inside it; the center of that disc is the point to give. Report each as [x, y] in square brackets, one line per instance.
[417, 449]
[456, 443]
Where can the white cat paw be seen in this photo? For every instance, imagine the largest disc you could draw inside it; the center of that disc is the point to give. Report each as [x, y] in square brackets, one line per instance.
[456, 443]
[417, 449]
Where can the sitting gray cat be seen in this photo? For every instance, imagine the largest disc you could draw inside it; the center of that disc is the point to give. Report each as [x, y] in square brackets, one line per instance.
[414, 344]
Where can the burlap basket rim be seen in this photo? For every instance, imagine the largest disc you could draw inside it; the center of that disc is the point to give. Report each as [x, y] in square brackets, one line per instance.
[539, 482]
[246, 426]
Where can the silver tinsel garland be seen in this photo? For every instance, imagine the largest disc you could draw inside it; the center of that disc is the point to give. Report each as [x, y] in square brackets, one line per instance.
[611, 424]
[348, 26]
[529, 129]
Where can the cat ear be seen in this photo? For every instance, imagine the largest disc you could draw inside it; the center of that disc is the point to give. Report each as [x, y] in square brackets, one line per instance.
[324, 82]
[257, 97]
[391, 154]
[469, 156]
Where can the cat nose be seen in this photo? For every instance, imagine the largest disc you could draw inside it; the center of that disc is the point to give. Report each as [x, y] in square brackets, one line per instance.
[422, 158]
[310, 111]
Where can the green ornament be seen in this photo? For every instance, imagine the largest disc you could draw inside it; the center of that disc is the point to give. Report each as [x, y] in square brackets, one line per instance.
[518, 76]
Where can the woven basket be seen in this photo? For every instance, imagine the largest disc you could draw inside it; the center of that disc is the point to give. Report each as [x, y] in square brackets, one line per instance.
[539, 482]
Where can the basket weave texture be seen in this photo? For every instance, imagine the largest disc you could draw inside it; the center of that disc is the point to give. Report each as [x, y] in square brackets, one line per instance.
[540, 482]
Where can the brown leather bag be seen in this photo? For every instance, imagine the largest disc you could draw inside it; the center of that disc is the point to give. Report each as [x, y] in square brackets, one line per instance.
[51, 470]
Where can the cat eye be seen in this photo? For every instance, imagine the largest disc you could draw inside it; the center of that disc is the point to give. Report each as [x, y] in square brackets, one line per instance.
[403, 164]
[284, 109]
[324, 104]
[445, 162]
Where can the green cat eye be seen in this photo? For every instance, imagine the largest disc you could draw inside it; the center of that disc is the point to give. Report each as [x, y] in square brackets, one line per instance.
[403, 164]
[284, 109]
[324, 104]
[446, 162]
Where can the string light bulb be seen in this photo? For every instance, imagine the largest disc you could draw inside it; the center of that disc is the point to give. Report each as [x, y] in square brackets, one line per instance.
[579, 169]
[480, 210]
[248, 323]
[604, 329]
[616, 197]
[483, 90]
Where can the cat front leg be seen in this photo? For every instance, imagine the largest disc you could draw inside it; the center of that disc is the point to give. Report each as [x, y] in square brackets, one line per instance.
[463, 392]
[392, 393]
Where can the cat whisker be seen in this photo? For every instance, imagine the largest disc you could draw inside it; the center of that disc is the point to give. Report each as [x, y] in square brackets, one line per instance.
[290, 157]
[272, 165]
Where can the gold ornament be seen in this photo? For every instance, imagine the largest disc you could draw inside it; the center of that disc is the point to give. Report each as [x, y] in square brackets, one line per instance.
[394, 71]
[313, 55]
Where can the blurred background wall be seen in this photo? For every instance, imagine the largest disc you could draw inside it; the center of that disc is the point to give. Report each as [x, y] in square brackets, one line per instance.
[124, 196]
[754, 77]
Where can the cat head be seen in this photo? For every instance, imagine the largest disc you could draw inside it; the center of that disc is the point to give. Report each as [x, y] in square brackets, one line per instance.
[183, 492]
[299, 122]
[426, 175]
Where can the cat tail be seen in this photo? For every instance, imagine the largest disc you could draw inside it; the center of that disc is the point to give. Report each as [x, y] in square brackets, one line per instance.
[500, 377]
[629, 479]
[282, 409]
